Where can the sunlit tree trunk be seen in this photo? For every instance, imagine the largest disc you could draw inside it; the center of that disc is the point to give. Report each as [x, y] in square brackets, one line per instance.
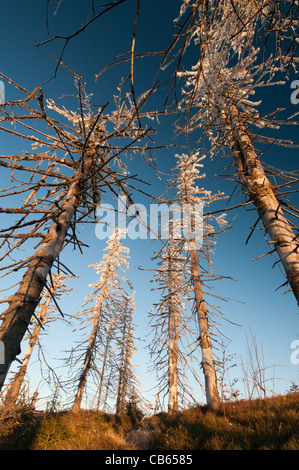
[189, 194]
[15, 387]
[102, 376]
[173, 363]
[172, 327]
[173, 347]
[23, 303]
[121, 389]
[208, 364]
[105, 315]
[125, 354]
[256, 184]
[108, 385]
[90, 349]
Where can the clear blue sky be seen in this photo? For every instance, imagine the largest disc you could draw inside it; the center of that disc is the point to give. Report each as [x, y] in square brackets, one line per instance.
[272, 316]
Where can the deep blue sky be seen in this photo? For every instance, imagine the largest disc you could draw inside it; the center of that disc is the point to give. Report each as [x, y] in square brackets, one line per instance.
[272, 316]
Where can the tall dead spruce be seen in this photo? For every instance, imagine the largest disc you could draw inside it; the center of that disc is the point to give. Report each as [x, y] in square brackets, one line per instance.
[215, 103]
[45, 316]
[127, 388]
[184, 271]
[73, 160]
[108, 311]
[171, 327]
[199, 242]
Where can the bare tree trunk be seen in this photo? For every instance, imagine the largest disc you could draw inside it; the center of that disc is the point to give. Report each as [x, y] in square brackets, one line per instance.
[121, 392]
[255, 182]
[156, 407]
[173, 363]
[89, 352]
[109, 382]
[23, 303]
[14, 389]
[208, 365]
[103, 368]
[91, 343]
[173, 347]
[102, 295]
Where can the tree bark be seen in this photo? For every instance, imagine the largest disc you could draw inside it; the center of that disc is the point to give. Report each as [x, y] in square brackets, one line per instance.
[256, 184]
[103, 369]
[92, 339]
[121, 391]
[103, 290]
[208, 364]
[173, 347]
[90, 350]
[15, 387]
[23, 303]
[173, 363]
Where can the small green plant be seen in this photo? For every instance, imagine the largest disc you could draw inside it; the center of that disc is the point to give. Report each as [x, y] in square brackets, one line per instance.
[294, 388]
[134, 412]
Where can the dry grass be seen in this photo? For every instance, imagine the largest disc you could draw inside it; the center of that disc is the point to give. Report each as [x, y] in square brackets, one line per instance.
[63, 431]
[85, 431]
[271, 424]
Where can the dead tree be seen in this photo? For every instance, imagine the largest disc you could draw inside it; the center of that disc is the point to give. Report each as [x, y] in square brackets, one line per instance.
[45, 316]
[199, 237]
[107, 361]
[193, 234]
[104, 314]
[60, 190]
[216, 106]
[127, 381]
[172, 327]
[173, 404]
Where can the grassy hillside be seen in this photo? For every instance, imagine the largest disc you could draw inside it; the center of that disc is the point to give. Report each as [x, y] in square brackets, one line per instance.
[271, 424]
